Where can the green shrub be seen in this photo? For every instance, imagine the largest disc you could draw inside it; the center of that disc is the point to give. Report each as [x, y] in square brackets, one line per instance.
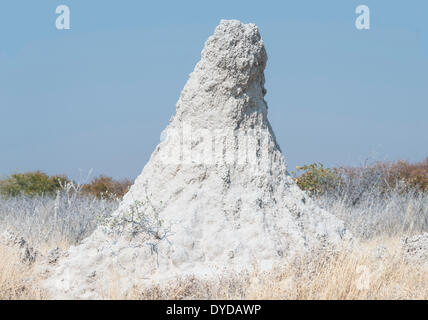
[31, 184]
[40, 184]
[316, 179]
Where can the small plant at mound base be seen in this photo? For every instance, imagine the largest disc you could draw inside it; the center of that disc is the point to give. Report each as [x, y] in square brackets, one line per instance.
[148, 228]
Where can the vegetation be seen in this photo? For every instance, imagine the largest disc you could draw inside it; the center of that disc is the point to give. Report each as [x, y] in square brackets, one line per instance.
[318, 180]
[14, 278]
[48, 222]
[40, 184]
[103, 186]
[413, 175]
[380, 203]
[380, 199]
[349, 275]
[31, 184]
[313, 178]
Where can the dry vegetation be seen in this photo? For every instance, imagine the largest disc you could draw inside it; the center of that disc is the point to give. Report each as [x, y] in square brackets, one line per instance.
[379, 216]
[16, 277]
[356, 274]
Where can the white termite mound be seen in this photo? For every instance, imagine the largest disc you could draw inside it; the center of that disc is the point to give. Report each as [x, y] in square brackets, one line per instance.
[215, 194]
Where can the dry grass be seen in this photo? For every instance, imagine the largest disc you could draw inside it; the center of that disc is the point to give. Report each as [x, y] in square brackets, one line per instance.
[361, 273]
[358, 274]
[16, 278]
[353, 274]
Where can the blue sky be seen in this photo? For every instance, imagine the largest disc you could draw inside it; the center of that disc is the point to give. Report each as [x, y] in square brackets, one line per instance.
[98, 96]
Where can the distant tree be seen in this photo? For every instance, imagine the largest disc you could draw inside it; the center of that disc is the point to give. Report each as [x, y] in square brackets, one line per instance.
[414, 176]
[316, 179]
[32, 184]
[354, 182]
[104, 186]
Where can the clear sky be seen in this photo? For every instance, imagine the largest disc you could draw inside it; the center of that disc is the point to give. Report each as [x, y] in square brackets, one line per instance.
[98, 96]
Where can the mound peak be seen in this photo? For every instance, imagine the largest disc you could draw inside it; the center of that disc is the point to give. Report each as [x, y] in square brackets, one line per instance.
[227, 84]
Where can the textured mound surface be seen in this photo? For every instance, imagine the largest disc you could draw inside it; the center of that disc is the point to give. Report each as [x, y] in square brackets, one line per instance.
[416, 248]
[215, 193]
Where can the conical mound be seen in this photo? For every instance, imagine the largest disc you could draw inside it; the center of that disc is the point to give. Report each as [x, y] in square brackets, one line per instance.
[215, 194]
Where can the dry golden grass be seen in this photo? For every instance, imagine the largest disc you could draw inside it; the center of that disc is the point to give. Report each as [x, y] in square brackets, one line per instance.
[16, 278]
[360, 273]
[354, 274]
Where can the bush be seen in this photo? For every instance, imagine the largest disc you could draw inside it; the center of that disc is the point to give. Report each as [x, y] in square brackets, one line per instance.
[32, 184]
[40, 184]
[352, 183]
[316, 179]
[386, 176]
[414, 176]
[103, 186]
